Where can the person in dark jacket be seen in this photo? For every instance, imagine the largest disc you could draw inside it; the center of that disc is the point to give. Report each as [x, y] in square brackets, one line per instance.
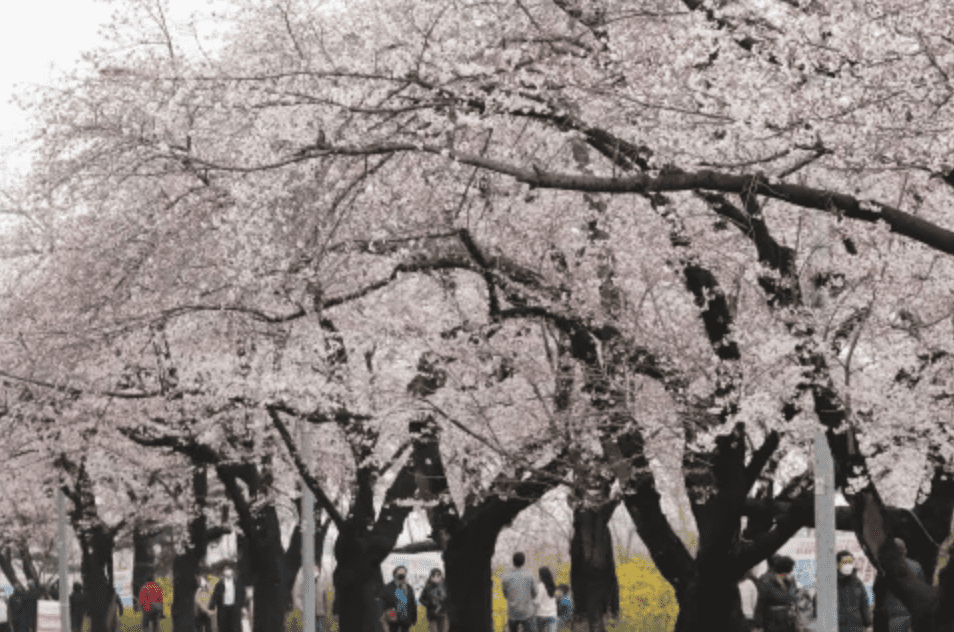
[400, 607]
[228, 600]
[113, 612]
[778, 597]
[899, 619]
[17, 610]
[77, 607]
[30, 607]
[854, 611]
[434, 598]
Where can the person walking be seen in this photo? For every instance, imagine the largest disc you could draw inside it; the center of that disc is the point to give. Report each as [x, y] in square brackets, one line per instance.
[18, 610]
[113, 612]
[228, 600]
[5, 625]
[520, 590]
[203, 612]
[78, 607]
[434, 598]
[400, 607]
[545, 617]
[854, 612]
[899, 619]
[150, 602]
[321, 599]
[775, 606]
[564, 607]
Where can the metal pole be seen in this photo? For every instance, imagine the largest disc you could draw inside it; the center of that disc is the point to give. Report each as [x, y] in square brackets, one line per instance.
[64, 580]
[308, 541]
[825, 572]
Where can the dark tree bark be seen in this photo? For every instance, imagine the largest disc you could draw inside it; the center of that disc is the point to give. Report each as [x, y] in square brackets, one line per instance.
[143, 561]
[266, 556]
[363, 544]
[468, 540]
[185, 566]
[96, 541]
[593, 565]
[6, 565]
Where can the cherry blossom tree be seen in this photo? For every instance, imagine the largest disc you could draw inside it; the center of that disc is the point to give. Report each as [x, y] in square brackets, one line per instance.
[741, 237]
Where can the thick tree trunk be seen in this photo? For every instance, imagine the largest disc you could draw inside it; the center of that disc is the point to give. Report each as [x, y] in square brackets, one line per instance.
[6, 564]
[185, 567]
[593, 566]
[711, 601]
[358, 582]
[469, 580]
[97, 546]
[143, 563]
[271, 576]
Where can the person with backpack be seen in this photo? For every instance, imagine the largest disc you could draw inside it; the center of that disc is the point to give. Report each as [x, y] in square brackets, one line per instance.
[546, 601]
[434, 598]
[564, 607]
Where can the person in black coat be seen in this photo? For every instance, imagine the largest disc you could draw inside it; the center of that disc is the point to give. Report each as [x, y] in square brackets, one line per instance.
[778, 595]
[400, 607]
[228, 599]
[77, 607]
[16, 610]
[854, 612]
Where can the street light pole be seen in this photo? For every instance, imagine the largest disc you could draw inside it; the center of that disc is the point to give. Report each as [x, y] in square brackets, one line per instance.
[825, 572]
[308, 540]
[64, 580]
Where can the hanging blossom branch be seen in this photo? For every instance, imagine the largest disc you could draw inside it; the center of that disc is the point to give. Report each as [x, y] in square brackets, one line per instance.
[310, 480]
[844, 205]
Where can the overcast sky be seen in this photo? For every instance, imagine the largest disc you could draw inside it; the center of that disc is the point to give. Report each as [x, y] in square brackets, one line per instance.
[38, 38]
[35, 37]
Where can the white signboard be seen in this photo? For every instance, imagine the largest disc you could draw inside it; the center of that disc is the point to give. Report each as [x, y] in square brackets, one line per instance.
[48, 616]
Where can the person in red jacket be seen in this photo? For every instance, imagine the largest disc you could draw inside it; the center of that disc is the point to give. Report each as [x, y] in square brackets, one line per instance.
[150, 602]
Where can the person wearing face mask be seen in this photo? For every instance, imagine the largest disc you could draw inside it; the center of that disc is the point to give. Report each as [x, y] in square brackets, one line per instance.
[400, 607]
[228, 599]
[854, 613]
[777, 599]
[434, 598]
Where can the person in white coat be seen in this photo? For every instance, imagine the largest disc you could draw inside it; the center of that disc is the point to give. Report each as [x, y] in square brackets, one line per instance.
[545, 619]
[321, 599]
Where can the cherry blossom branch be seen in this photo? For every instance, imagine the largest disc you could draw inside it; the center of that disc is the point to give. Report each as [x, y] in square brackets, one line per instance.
[310, 480]
[845, 205]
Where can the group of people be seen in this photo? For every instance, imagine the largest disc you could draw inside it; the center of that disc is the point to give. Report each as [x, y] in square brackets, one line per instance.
[399, 606]
[224, 608]
[782, 606]
[535, 605]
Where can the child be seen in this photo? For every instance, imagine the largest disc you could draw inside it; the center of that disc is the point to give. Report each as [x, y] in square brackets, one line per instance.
[564, 607]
